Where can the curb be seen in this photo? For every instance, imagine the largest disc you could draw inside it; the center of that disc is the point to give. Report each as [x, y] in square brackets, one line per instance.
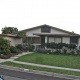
[41, 72]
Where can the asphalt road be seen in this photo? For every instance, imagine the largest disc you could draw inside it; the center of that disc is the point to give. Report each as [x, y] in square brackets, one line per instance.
[17, 75]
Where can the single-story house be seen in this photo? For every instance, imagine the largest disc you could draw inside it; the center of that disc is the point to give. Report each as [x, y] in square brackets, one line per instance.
[14, 40]
[42, 34]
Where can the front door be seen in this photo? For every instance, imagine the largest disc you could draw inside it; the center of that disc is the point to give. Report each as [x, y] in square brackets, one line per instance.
[43, 41]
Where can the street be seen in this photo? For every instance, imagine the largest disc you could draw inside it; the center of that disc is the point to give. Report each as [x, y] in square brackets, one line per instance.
[17, 75]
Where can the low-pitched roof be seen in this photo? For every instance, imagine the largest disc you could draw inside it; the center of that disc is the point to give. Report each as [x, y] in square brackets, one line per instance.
[9, 35]
[60, 35]
[71, 33]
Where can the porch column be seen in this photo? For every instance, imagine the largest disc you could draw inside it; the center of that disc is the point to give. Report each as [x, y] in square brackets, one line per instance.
[46, 39]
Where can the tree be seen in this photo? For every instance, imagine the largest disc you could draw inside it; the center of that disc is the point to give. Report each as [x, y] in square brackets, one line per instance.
[9, 30]
[21, 34]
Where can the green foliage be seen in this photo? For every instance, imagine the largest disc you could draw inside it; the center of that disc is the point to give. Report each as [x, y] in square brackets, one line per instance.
[13, 49]
[30, 46]
[43, 50]
[21, 34]
[9, 30]
[60, 45]
[4, 43]
[5, 51]
[19, 46]
[72, 46]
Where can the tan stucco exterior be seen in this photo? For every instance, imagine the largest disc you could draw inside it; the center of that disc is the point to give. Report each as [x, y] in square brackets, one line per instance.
[14, 41]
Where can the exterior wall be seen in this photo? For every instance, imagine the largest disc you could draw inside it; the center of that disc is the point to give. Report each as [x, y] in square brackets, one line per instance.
[51, 39]
[38, 30]
[66, 40]
[53, 31]
[13, 41]
[30, 32]
[79, 42]
[55, 39]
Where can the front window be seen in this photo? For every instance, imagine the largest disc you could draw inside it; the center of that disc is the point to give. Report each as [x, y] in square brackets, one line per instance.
[74, 40]
[45, 29]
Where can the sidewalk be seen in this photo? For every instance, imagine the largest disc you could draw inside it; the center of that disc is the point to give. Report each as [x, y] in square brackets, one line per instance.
[16, 56]
[46, 66]
[33, 64]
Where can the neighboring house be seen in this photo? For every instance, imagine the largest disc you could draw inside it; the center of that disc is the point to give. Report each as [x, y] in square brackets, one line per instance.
[14, 40]
[46, 34]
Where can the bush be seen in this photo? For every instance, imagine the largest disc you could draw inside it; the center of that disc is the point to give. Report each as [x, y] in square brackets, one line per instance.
[57, 51]
[13, 49]
[43, 50]
[19, 46]
[78, 52]
[4, 43]
[71, 46]
[30, 46]
[5, 56]
[72, 53]
[5, 52]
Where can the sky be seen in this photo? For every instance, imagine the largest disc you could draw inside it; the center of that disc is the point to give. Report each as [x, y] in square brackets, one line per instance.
[23, 14]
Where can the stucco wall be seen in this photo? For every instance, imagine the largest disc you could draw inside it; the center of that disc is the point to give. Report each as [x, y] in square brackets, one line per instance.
[79, 42]
[38, 30]
[30, 32]
[66, 40]
[51, 39]
[54, 39]
[14, 41]
[54, 31]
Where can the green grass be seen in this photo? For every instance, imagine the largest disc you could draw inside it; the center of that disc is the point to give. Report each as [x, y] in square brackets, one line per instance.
[54, 60]
[41, 69]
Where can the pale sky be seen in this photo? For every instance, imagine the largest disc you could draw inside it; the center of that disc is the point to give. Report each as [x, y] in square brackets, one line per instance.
[23, 14]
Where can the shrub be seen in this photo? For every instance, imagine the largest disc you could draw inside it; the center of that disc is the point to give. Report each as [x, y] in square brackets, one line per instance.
[30, 46]
[43, 50]
[56, 45]
[72, 52]
[5, 56]
[58, 51]
[19, 46]
[78, 52]
[13, 49]
[4, 43]
[5, 51]
[71, 46]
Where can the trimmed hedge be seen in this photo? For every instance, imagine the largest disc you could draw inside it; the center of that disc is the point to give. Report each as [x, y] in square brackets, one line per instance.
[60, 45]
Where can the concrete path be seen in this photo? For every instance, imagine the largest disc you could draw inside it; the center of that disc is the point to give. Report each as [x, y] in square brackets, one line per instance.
[16, 56]
[33, 64]
[46, 66]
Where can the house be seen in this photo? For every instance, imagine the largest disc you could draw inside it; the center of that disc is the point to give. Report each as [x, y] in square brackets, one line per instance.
[42, 34]
[14, 40]
[46, 34]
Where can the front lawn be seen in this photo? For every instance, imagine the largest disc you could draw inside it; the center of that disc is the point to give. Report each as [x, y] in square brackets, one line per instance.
[41, 68]
[54, 60]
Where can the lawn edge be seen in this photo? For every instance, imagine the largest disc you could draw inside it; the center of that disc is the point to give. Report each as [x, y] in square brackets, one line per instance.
[40, 72]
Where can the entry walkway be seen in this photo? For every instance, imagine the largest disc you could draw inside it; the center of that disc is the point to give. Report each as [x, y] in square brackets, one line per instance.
[14, 57]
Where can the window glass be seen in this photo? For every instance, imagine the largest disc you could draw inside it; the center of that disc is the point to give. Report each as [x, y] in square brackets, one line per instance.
[45, 29]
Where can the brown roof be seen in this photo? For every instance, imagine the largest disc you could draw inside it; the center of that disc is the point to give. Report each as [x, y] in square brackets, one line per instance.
[9, 35]
[51, 27]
